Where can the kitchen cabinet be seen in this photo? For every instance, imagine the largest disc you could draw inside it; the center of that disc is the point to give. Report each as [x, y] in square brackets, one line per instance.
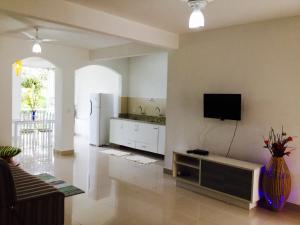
[128, 133]
[146, 137]
[138, 135]
[161, 139]
[116, 133]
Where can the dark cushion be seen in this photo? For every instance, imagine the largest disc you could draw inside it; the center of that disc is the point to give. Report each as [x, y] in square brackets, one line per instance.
[7, 186]
[37, 203]
[8, 151]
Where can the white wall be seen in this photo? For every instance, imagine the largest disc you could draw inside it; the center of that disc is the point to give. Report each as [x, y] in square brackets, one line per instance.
[120, 66]
[148, 76]
[16, 95]
[260, 61]
[67, 60]
[110, 77]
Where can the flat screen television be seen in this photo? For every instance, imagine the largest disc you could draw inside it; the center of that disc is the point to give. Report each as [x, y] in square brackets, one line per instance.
[222, 106]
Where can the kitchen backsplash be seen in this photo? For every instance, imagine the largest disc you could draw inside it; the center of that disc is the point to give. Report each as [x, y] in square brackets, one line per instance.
[130, 105]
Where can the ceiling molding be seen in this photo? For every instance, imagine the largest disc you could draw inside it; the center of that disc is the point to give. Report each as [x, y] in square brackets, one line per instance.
[173, 15]
[71, 14]
[122, 51]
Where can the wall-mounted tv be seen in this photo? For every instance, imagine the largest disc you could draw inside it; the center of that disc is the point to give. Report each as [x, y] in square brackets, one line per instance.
[222, 106]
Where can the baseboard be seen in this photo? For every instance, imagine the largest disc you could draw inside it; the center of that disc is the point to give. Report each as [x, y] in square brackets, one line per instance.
[293, 206]
[168, 171]
[64, 152]
[289, 206]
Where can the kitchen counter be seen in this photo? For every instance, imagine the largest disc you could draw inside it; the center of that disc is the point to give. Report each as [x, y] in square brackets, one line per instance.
[138, 134]
[139, 121]
[159, 120]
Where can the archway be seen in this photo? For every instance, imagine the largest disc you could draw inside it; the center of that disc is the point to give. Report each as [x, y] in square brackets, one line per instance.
[94, 79]
[33, 106]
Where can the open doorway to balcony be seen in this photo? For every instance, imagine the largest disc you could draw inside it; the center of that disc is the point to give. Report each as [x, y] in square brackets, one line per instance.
[33, 108]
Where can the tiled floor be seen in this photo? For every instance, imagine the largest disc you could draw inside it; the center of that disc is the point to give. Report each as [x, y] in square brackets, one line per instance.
[123, 192]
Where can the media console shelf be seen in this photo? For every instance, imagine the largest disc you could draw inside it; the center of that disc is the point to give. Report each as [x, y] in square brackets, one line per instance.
[229, 180]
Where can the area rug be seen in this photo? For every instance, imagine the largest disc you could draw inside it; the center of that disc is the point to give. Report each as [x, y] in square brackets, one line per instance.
[141, 159]
[67, 189]
[115, 152]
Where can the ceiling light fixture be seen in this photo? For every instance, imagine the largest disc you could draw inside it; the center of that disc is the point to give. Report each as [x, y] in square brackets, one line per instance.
[197, 19]
[36, 48]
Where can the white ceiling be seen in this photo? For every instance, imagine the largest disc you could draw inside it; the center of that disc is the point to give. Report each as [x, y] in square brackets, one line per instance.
[12, 25]
[173, 15]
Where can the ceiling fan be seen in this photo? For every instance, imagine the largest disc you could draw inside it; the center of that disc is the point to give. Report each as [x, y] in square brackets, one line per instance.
[36, 48]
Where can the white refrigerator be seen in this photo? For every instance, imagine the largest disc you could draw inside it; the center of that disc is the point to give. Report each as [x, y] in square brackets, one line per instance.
[101, 110]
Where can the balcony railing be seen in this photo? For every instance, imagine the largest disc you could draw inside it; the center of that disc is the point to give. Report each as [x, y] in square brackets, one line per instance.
[30, 134]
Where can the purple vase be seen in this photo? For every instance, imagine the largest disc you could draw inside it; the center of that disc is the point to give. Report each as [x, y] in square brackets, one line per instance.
[276, 183]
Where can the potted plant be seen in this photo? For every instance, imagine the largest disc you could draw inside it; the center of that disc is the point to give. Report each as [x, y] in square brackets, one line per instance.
[277, 178]
[32, 97]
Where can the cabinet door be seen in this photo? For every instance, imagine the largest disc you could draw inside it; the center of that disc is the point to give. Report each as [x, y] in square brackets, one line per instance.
[227, 179]
[129, 134]
[116, 132]
[146, 137]
[161, 140]
[145, 147]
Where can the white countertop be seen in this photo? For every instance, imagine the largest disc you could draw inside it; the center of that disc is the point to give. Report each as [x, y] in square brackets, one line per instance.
[138, 121]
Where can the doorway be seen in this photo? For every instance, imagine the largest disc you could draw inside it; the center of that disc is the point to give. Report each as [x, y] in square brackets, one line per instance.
[33, 107]
[93, 79]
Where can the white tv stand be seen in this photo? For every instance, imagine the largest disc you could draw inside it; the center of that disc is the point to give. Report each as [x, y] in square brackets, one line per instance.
[229, 180]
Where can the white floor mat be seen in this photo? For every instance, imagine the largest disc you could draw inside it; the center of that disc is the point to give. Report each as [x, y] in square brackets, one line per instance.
[141, 159]
[115, 152]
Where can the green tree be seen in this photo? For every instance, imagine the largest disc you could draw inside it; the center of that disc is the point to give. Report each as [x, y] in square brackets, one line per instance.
[31, 97]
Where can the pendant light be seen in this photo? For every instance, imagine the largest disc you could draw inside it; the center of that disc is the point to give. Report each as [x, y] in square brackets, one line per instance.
[197, 19]
[36, 48]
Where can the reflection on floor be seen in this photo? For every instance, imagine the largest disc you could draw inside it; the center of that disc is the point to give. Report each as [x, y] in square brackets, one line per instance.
[129, 156]
[39, 159]
[123, 192]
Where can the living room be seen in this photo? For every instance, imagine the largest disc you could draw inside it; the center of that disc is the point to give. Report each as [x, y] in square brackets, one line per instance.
[250, 49]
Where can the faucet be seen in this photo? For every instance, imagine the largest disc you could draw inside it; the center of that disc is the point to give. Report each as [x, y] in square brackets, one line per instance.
[141, 110]
[157, 109]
